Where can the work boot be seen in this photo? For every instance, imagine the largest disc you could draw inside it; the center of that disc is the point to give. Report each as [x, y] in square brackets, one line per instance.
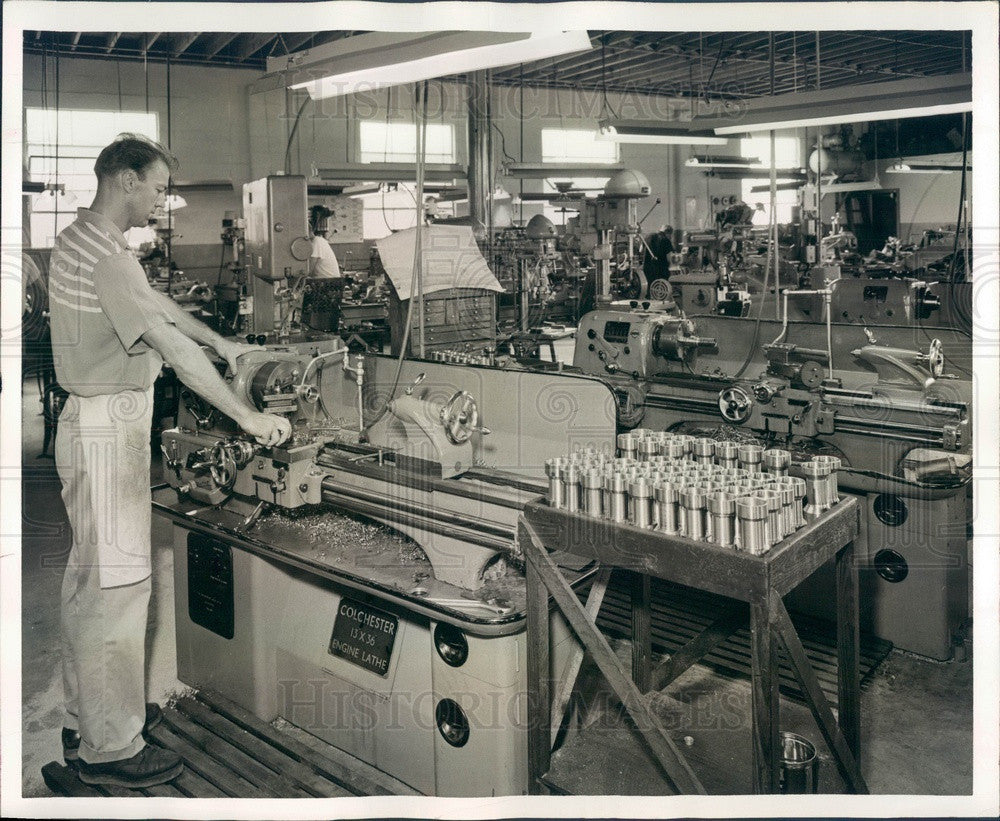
[71, 738]
[147, 768]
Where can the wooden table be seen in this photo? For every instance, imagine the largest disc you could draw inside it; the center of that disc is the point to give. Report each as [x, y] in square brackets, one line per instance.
[757, 582]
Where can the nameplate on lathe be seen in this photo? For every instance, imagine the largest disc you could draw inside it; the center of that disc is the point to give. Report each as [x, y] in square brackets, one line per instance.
[364, 635]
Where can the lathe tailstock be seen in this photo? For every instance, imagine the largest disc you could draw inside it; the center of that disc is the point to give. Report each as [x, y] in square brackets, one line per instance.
[362, 581]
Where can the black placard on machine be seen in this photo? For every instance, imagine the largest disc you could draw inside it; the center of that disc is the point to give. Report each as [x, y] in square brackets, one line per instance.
[616, 332]
[364, 635]
[210, 584]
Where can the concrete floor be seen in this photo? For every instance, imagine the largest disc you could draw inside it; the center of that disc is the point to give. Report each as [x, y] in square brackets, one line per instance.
[917, 714]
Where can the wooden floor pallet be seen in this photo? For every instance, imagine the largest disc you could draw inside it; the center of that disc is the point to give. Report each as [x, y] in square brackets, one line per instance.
[228, 751]
[680, 613]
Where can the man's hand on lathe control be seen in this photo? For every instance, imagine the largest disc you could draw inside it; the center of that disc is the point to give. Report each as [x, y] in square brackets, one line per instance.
[267, 428]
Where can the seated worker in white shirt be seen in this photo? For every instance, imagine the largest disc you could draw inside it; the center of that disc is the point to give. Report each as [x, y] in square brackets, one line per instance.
[326, 286]
[322, 261]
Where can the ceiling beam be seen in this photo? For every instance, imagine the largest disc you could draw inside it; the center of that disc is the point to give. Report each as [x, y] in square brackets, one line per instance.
[253, 43]
[183, 43]
[113, 39]
[297, 40]
[219, 42]
[76, 40]
[149, 39]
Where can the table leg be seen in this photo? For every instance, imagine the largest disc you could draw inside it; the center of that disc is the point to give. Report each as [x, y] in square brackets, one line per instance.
[639, 585]
[539, 700]
[848, 651]
[764, 696]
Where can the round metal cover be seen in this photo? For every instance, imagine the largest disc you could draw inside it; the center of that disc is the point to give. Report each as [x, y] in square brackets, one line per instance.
[627, 184]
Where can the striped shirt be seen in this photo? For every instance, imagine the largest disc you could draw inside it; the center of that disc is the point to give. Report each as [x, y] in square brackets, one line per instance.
[100, 305]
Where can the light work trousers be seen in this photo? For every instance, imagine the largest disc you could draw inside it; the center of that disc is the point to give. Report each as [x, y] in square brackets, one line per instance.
[103, 460]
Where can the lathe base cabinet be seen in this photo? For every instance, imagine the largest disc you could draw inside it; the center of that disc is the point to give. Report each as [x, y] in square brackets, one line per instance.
[268, 635]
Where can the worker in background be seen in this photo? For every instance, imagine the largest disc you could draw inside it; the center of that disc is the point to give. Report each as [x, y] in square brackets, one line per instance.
[321, 308]
[659, 247]
[322, 261]
[111, 333]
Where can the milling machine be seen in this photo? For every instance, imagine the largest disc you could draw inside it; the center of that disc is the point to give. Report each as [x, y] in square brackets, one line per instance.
[362, 580]
[895, 415]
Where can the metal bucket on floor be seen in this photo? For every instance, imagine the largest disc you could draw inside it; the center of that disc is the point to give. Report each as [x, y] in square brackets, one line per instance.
[799, 765]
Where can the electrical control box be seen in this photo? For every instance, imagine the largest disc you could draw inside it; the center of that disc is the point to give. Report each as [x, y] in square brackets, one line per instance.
[346, 222]
[278, 241]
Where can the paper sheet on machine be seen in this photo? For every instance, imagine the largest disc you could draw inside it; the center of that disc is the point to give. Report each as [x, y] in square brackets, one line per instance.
[450, 258]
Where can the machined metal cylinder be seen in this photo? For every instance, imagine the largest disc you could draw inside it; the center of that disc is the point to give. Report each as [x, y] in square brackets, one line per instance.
[751, 514]
[693, 506]
[665, 496]
[615, 496]
[685, 441]
[727, 454]
[640, 493]
[552, 467]
[649, 447]
[834, 463]
[816, 476]
[722, 517]
[750, 457]
[592, 482]
[776, 461]
[675, 448]
[799, 487]
[788, 524]
[773, 500]
[703, 450]
[627, 444]
[570, 475]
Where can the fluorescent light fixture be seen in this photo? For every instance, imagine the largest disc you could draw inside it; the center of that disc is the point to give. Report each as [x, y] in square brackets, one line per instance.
[349, 173]
[756, 173]
[919, 97]
[384, 59]
[545, 170]
[723, 162]
[650, 133]
[174, 201]
[923, 168]
[202, 185]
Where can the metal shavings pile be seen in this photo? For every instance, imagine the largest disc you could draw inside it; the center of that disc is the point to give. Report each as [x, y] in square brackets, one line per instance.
[727, 433]
[337, 535]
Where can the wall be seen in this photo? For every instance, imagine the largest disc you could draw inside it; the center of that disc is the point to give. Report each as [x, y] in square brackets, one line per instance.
[208, 123]
[926, 201]
[327, 133]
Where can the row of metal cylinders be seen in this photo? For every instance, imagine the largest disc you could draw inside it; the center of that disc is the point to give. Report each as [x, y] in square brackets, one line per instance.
[731, 507]
[463, 358]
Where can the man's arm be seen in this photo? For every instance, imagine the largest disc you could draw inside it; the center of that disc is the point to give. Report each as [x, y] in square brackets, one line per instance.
[195, 370]
[228, 349]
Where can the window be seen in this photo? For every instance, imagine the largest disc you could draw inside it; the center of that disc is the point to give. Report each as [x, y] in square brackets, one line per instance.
[786, 155]
[566, 145]
[397, 142]
[81, 136]
[395, 207]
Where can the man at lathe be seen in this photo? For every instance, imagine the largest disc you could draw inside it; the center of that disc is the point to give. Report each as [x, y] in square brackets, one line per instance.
[111, 334]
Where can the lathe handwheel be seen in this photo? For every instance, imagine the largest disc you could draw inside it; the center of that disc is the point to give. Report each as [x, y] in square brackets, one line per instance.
[223, 466]
[735, 405]
[460, 417]
[935, 358]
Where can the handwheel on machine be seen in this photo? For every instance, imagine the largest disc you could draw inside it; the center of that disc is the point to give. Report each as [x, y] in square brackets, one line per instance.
[460, 417]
